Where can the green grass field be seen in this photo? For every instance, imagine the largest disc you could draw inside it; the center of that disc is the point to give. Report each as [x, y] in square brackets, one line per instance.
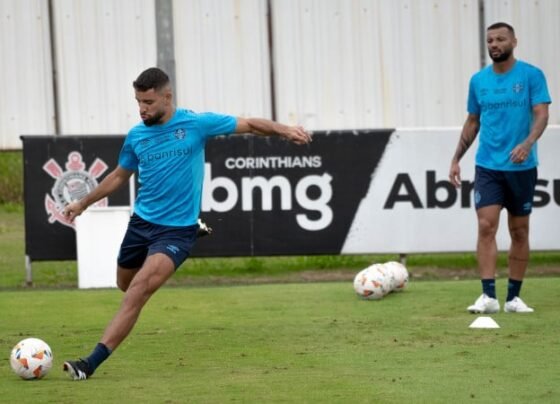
[270, 330]
[295, 343]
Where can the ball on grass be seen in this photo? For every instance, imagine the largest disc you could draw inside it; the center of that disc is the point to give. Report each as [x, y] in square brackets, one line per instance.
[372, 283]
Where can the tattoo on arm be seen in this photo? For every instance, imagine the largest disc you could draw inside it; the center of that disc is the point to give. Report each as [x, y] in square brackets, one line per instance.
[468, 135]
[464, 144]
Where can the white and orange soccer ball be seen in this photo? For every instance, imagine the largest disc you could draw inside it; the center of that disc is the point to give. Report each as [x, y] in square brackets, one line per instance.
[398, 274]
[31, 358]
[372, 283]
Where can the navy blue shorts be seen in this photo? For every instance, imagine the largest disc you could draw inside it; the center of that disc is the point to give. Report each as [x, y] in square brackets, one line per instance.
[513, 190]
[143, 238]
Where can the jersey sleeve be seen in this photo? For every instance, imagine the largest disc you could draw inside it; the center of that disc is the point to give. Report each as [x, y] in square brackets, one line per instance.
[213, 124]
[538, 88]
[127, 158]
[473, 105]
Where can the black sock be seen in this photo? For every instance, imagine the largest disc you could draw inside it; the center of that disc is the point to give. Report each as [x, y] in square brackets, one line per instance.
[514, 287]
[489, 287]
[98, 356]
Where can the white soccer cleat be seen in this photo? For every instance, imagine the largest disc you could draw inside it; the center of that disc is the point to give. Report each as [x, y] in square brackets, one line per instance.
[485, 304]
[517, 306]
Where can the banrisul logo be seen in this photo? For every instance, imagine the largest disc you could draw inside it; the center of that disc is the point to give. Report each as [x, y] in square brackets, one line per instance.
[71, 184]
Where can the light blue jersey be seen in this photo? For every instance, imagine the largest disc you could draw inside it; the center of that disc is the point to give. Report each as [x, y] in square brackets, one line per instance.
[169, 161]
[504, 103]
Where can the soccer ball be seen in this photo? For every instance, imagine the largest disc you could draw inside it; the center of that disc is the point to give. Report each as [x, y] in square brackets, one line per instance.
[399, 275]
[372, 283]
[31, 358]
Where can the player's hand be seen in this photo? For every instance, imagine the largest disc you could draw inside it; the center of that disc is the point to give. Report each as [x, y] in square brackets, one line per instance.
[455, 174]
[520, 153]
[72, 210]
[297, 135]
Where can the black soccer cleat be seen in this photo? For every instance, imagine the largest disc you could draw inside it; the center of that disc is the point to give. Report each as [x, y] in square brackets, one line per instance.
[77, 370]
[203, 229]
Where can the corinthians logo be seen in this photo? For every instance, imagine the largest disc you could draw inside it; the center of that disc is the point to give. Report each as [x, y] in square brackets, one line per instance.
[71, 185]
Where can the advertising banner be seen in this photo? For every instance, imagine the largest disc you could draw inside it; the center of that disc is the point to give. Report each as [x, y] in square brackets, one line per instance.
[348, 192]
[58, 169]
[265, 196]
[411, 207]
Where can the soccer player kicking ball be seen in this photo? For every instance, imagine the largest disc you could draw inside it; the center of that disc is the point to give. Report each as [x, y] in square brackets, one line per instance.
[166, 150]
[508, 103]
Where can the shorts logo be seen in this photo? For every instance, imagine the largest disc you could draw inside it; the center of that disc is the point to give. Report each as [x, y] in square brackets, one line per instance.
[527, 206]
[71, 185]
[173, 248]
[477, 197]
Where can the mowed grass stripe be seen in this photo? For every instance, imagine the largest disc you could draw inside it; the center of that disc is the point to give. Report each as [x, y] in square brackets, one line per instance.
[296, 343]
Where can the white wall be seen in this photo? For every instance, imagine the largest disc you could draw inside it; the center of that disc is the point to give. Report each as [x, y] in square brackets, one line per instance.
[374, 63]
[336, 64]
[26, 99]
[101, 47]
[222, 56]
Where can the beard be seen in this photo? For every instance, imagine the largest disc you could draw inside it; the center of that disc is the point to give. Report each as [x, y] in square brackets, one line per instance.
[154, 120]
[502, 57]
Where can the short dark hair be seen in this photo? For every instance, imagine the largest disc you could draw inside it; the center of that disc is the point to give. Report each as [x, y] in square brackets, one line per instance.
[497, 25]
[153, 77]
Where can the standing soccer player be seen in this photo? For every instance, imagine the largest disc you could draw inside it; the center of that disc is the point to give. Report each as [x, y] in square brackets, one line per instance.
[508, 103]
[166, 150]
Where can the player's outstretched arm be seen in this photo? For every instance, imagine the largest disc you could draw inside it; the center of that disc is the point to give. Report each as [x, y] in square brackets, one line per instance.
[114, 180]
[266, 127]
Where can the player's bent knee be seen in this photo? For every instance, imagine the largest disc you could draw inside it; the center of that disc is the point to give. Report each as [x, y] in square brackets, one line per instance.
[124, 277]
[122, 285]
